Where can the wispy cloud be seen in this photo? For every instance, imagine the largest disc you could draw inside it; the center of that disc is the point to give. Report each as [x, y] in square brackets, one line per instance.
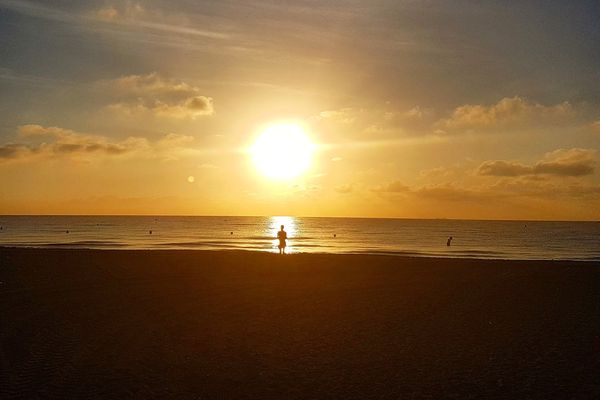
[135, 15]
[108, 16]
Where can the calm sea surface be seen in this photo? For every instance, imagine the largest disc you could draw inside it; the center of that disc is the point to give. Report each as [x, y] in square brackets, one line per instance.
[478, 239]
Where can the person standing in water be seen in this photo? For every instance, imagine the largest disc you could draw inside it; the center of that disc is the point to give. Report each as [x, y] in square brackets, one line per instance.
[449, 242]
[282, 236]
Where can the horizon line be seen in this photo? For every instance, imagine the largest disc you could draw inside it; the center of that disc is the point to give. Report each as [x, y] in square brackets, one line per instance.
[298, 216]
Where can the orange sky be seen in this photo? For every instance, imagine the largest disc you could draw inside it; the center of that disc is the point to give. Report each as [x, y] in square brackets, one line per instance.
[416, 109]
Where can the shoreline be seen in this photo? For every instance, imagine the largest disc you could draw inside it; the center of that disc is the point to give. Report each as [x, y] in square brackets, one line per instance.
[246, 325]
[398, 254]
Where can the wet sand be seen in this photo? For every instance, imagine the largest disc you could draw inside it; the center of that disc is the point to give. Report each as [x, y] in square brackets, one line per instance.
[239, 325]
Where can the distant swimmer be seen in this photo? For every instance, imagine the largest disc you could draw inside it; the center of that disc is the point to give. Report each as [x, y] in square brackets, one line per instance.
[449, 241]
[67, 231]
[335, 235]
[231, 233]
[150, 232]
[282, 236]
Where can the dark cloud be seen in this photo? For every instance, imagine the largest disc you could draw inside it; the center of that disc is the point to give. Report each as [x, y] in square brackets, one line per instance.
[69, 148]
[504, 168]
[200, 103]
[12, 151]
[575, 168]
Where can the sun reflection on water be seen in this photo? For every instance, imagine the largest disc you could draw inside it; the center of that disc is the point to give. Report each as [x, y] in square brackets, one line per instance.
[290, 227]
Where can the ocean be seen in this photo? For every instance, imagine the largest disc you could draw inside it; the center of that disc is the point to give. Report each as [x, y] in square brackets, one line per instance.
[413, 237]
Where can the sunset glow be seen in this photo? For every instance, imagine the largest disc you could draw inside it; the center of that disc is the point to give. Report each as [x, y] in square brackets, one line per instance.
[282, 151]
[387, 109]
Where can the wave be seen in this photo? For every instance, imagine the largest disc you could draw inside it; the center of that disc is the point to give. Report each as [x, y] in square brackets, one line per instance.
[75, 244]
[418, 238]
[302, 249]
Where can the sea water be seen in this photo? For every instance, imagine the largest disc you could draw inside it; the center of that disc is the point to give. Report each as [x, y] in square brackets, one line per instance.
[414, 237]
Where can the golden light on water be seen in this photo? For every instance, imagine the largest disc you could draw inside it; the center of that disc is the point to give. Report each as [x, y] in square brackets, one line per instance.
[282, 151]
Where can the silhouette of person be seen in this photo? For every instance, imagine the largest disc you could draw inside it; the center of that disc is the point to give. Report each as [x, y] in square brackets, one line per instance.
[282, 236]
[449, 241]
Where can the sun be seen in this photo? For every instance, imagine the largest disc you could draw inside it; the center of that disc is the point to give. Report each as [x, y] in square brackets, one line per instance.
[282, 151]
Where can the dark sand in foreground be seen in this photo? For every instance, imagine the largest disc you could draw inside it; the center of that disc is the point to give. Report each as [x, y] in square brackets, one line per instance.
[238, 325]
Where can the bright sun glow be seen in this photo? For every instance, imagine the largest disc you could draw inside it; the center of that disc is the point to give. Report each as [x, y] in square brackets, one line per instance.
[282, 151]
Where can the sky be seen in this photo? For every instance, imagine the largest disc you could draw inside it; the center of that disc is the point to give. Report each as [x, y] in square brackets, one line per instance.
[417, 109]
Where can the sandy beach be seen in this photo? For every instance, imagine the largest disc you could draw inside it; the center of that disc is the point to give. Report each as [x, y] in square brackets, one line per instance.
[244, 325]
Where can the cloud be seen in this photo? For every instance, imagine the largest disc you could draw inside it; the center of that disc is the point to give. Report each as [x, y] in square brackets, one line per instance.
[152, 84]
[531, 186]
[561, 162]
[189, 108]
[161, 97]
[13, 151]
[65, 141]
[374, 123]
[445, 191]
[504, 188]
[508, 112]
[504, 168]
[38, 141]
